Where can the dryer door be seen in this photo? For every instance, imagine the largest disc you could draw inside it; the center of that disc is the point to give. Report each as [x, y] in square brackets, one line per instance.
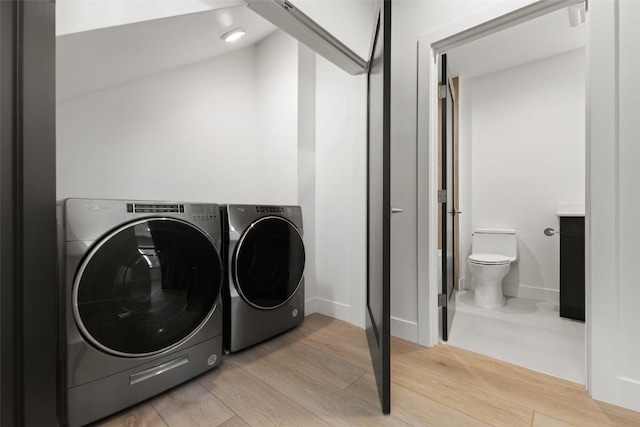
[268, 262]
[147, 287]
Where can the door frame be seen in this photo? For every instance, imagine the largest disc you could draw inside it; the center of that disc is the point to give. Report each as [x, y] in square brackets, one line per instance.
[28, 265]
[430, 46]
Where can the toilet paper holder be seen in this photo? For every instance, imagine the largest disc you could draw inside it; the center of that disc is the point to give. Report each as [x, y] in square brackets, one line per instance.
[550, 231]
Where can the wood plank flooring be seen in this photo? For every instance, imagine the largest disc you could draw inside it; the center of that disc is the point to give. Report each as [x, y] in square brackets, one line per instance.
[320, 374]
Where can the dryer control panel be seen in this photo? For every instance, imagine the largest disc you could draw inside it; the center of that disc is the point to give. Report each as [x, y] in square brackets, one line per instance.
[154, 208]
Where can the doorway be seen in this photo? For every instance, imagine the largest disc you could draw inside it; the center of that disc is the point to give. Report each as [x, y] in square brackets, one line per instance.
[459, 43]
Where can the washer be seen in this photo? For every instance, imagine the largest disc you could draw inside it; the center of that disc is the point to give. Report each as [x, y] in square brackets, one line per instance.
[263, 292]
[140, 302]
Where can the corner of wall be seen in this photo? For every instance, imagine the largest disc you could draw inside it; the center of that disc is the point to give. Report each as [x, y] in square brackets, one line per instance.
[278, 86]
[307, 167]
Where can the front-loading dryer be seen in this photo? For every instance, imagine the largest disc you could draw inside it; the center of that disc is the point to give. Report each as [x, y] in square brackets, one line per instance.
[263, 292]
[140, 301]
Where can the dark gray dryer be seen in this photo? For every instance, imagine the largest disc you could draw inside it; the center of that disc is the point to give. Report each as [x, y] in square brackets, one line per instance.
[140, 303]
[263, 292]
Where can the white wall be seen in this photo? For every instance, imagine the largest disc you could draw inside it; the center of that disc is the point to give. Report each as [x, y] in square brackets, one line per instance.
[613, 230]
[340, 192]
[179, 135]
[277, 119]
[192, 133]
[524, 127]
[465, 167]
[307, 167]
[628, 207]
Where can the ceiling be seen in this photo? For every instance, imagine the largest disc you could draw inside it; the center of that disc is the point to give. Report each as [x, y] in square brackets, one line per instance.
[547, 35]
[93, 60]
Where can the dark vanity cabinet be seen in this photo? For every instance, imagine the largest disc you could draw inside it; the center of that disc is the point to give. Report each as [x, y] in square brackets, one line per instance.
[572, 267]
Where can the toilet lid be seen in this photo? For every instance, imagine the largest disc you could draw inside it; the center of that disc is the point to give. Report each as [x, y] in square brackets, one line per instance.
[489, 259]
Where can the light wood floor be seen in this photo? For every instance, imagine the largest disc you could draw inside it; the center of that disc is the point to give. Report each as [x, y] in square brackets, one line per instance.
[320, 374]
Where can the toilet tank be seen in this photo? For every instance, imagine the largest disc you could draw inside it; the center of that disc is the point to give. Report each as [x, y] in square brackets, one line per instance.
[495, 241]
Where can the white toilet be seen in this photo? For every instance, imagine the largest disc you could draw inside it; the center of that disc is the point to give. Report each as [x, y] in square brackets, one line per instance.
[492, 252]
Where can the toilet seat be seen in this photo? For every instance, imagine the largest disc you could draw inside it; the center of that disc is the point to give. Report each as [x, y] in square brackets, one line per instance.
[489, 259]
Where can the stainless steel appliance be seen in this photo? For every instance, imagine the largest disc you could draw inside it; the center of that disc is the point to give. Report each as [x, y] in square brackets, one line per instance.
[263, 292]
[139, 298]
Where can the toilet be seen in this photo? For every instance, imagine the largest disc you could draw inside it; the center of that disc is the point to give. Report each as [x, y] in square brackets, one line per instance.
[492, 252]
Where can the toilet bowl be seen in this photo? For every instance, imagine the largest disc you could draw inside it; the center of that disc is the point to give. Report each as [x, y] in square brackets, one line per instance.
[489, 270]
[493, 251]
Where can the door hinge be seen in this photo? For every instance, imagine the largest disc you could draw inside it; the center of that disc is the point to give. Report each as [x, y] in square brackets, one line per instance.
[442, 196]
[442, 91]
[442, 300]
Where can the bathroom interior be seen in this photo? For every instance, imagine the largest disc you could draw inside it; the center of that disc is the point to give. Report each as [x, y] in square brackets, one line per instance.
[521, 154]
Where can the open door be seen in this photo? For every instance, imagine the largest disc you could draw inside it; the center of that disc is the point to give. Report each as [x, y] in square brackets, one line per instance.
[379, 205]
[446, 196]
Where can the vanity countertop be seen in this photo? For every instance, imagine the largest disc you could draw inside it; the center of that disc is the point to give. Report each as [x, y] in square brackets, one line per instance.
[570, 209]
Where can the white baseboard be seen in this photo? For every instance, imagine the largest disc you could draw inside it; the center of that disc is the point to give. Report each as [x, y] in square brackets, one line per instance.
[627, 392]
[404, 329]
[531, 292]
[399, 327]
[334, 309]
[310, 306]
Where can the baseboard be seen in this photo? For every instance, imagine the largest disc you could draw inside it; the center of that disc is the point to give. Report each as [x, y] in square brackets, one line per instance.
[399, 327]
[531, 292]
[627, 392]
[333, 309]
[404, 329]
[310, 306]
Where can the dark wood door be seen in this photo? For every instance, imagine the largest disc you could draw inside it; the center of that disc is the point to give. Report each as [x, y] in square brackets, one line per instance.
[379, 206]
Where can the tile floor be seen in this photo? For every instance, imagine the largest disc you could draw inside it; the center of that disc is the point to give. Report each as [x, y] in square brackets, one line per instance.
[525, 332]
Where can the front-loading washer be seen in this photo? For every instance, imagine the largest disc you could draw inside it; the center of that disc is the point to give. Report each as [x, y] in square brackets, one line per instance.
[139, 298]
[263, 293]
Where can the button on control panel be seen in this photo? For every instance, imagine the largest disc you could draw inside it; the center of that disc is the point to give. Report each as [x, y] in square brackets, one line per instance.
[204, 212]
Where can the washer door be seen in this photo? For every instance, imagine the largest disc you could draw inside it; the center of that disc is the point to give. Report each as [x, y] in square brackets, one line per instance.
[269, 262]
[147, 287]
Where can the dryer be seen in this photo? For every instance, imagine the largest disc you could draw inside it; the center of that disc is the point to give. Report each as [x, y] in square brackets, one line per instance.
[139, 298]
[263, 292]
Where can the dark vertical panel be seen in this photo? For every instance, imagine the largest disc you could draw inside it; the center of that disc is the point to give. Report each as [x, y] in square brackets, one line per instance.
[448, 212]
[444, 182]
[9, 372]
[38, 212]
[378, 321]
[28, 257]
[572, 268]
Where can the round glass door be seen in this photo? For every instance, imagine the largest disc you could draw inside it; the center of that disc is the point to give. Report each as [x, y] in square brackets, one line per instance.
[269, 262]
[147, 287]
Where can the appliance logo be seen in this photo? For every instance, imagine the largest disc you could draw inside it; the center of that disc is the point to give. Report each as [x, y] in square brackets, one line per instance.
[96, 208]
